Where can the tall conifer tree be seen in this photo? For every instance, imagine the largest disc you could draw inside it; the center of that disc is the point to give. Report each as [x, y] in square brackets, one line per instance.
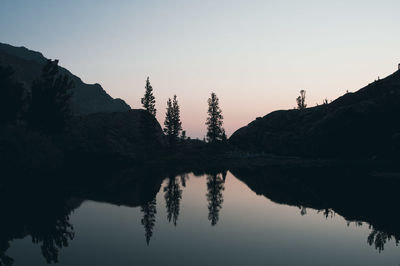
[148, 100]
[215, 131]
[172, 123]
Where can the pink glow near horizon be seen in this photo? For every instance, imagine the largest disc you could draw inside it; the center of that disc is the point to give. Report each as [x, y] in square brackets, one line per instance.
[255, 55]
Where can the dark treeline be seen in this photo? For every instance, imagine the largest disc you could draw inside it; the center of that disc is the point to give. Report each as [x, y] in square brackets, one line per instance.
[33, 121]
[173, 124]
[38, 129]
[40, 132]
[12, 97]
[37, 118]
[44, 106]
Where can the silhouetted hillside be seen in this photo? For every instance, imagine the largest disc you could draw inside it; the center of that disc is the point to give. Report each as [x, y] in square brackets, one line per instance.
[87, 98]
[134, 134]
[101, 140]
[364, 123]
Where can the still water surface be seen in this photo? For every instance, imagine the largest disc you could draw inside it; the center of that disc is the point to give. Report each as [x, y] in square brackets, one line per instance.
[203, 220]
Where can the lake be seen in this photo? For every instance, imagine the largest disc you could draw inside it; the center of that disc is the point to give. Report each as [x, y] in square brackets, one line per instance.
[202, 219]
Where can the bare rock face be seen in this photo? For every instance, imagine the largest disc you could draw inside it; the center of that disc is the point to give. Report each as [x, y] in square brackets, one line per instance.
[364, 123]
[133, 134]
[87, 98]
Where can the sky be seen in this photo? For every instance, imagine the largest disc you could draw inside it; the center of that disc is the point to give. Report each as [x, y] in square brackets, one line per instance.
[255, 55]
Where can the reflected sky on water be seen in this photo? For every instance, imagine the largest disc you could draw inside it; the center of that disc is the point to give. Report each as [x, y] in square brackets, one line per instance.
[213, 219]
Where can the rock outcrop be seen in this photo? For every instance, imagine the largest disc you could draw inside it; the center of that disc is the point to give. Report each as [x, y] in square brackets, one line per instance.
[364, 123]
[134, 134]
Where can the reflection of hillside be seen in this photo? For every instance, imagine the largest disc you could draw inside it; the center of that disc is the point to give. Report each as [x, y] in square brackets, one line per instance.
[133, 192]
[42, 212]
[42, 216]
[350, 193]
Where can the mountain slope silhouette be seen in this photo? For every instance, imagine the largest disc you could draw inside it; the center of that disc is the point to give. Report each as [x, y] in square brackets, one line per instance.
[87, 98]
[364, 123]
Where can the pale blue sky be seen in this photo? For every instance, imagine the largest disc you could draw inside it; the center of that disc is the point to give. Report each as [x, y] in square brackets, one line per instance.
[256, 55]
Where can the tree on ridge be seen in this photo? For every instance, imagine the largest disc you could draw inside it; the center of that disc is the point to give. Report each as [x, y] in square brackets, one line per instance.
[148, 100]
[172, 123]
[215, 131]
[301, 100]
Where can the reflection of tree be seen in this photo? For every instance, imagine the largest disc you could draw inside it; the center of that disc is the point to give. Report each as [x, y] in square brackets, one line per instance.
[215, 186]
[377, 238]
[173, 196]
[303, 210]
[149, 218]
[356, 223]
[184, 177]
[47, 222]
[380, 238]
[53, 237]
[327, 212]
[4, 259]
[224, 173]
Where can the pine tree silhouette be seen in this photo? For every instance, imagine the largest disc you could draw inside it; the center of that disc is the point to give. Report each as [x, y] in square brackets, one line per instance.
[173, 196]
[301, 100]
[149, 218]
[215, 131]
[215, 186]
[148, 100]
[172, 123]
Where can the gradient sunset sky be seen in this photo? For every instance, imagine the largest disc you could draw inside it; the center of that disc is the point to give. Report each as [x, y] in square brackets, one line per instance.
[256, 55]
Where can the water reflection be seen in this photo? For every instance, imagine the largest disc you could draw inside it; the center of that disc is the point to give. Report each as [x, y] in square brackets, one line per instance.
[149, 211]
[46, 218]
[327, 213]
[52, 237]
[173, 196]
[353, 194]
[379, 238]
[184, 178]
[4, 259]
[45, 221]
[215, 198]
